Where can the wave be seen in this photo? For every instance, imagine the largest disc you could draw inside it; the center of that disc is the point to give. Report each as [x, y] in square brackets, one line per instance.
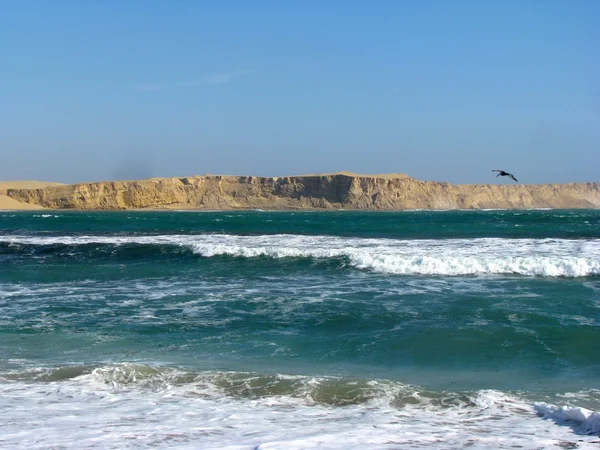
[309, 390]
[136, 405]
[582, 420]
[484, 256]
[330, 391]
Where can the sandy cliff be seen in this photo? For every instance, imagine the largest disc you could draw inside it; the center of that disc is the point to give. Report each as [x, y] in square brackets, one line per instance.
[10, 203]
[330, 191]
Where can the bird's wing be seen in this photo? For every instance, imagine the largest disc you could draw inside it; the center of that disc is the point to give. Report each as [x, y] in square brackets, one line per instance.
[495, 170]
[513, 178]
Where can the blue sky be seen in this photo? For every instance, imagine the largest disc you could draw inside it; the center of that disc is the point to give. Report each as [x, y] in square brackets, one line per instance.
[441, 90]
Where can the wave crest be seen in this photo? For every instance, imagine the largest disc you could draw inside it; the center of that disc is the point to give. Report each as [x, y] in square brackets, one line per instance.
[530, 257]
[582, 420]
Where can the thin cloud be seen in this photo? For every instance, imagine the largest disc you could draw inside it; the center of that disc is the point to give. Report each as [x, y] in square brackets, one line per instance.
[219, 78]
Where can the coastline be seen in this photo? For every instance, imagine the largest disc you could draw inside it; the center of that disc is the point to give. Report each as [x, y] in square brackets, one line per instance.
[318, 192]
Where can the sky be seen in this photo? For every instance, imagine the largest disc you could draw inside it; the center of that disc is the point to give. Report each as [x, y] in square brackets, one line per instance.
[440, 90]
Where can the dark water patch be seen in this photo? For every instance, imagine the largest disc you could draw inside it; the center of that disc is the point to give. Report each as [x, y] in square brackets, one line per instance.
[152, 253]
[96, 251]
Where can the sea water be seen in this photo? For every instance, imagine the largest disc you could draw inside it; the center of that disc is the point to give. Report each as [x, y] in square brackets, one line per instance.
[296, 330]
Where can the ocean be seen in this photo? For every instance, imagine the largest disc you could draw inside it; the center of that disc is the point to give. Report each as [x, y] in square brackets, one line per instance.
[300, 330]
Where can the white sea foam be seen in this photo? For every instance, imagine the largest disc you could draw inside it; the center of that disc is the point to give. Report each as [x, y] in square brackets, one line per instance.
[582, 420]
[532, 257]
[128, 406]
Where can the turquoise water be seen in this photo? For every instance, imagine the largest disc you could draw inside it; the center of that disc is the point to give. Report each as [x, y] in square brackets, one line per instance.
[417, 320]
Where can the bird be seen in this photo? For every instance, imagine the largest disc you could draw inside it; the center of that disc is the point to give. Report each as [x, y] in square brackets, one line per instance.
[505, 174]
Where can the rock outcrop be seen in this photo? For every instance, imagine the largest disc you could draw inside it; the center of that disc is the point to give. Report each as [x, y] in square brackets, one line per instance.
[331, 191]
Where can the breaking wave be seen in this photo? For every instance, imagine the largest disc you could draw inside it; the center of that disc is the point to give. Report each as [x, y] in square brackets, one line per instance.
[529, 257]
[143, 406]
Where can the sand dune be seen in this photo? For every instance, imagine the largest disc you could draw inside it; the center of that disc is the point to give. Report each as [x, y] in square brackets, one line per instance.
[12, 204]
[26, 184]
[385, 176]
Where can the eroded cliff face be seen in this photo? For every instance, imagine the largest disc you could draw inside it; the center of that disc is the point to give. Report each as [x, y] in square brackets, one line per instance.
[334, 191]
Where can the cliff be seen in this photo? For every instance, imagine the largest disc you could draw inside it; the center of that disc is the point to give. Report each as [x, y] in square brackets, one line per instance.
[330, 191]
[11, 203]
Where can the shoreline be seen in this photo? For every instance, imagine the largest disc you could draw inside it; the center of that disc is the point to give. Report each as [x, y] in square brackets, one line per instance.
[311, 210]
[339, 191]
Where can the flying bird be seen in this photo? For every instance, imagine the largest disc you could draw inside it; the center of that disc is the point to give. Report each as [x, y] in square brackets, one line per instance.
[504, 174]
